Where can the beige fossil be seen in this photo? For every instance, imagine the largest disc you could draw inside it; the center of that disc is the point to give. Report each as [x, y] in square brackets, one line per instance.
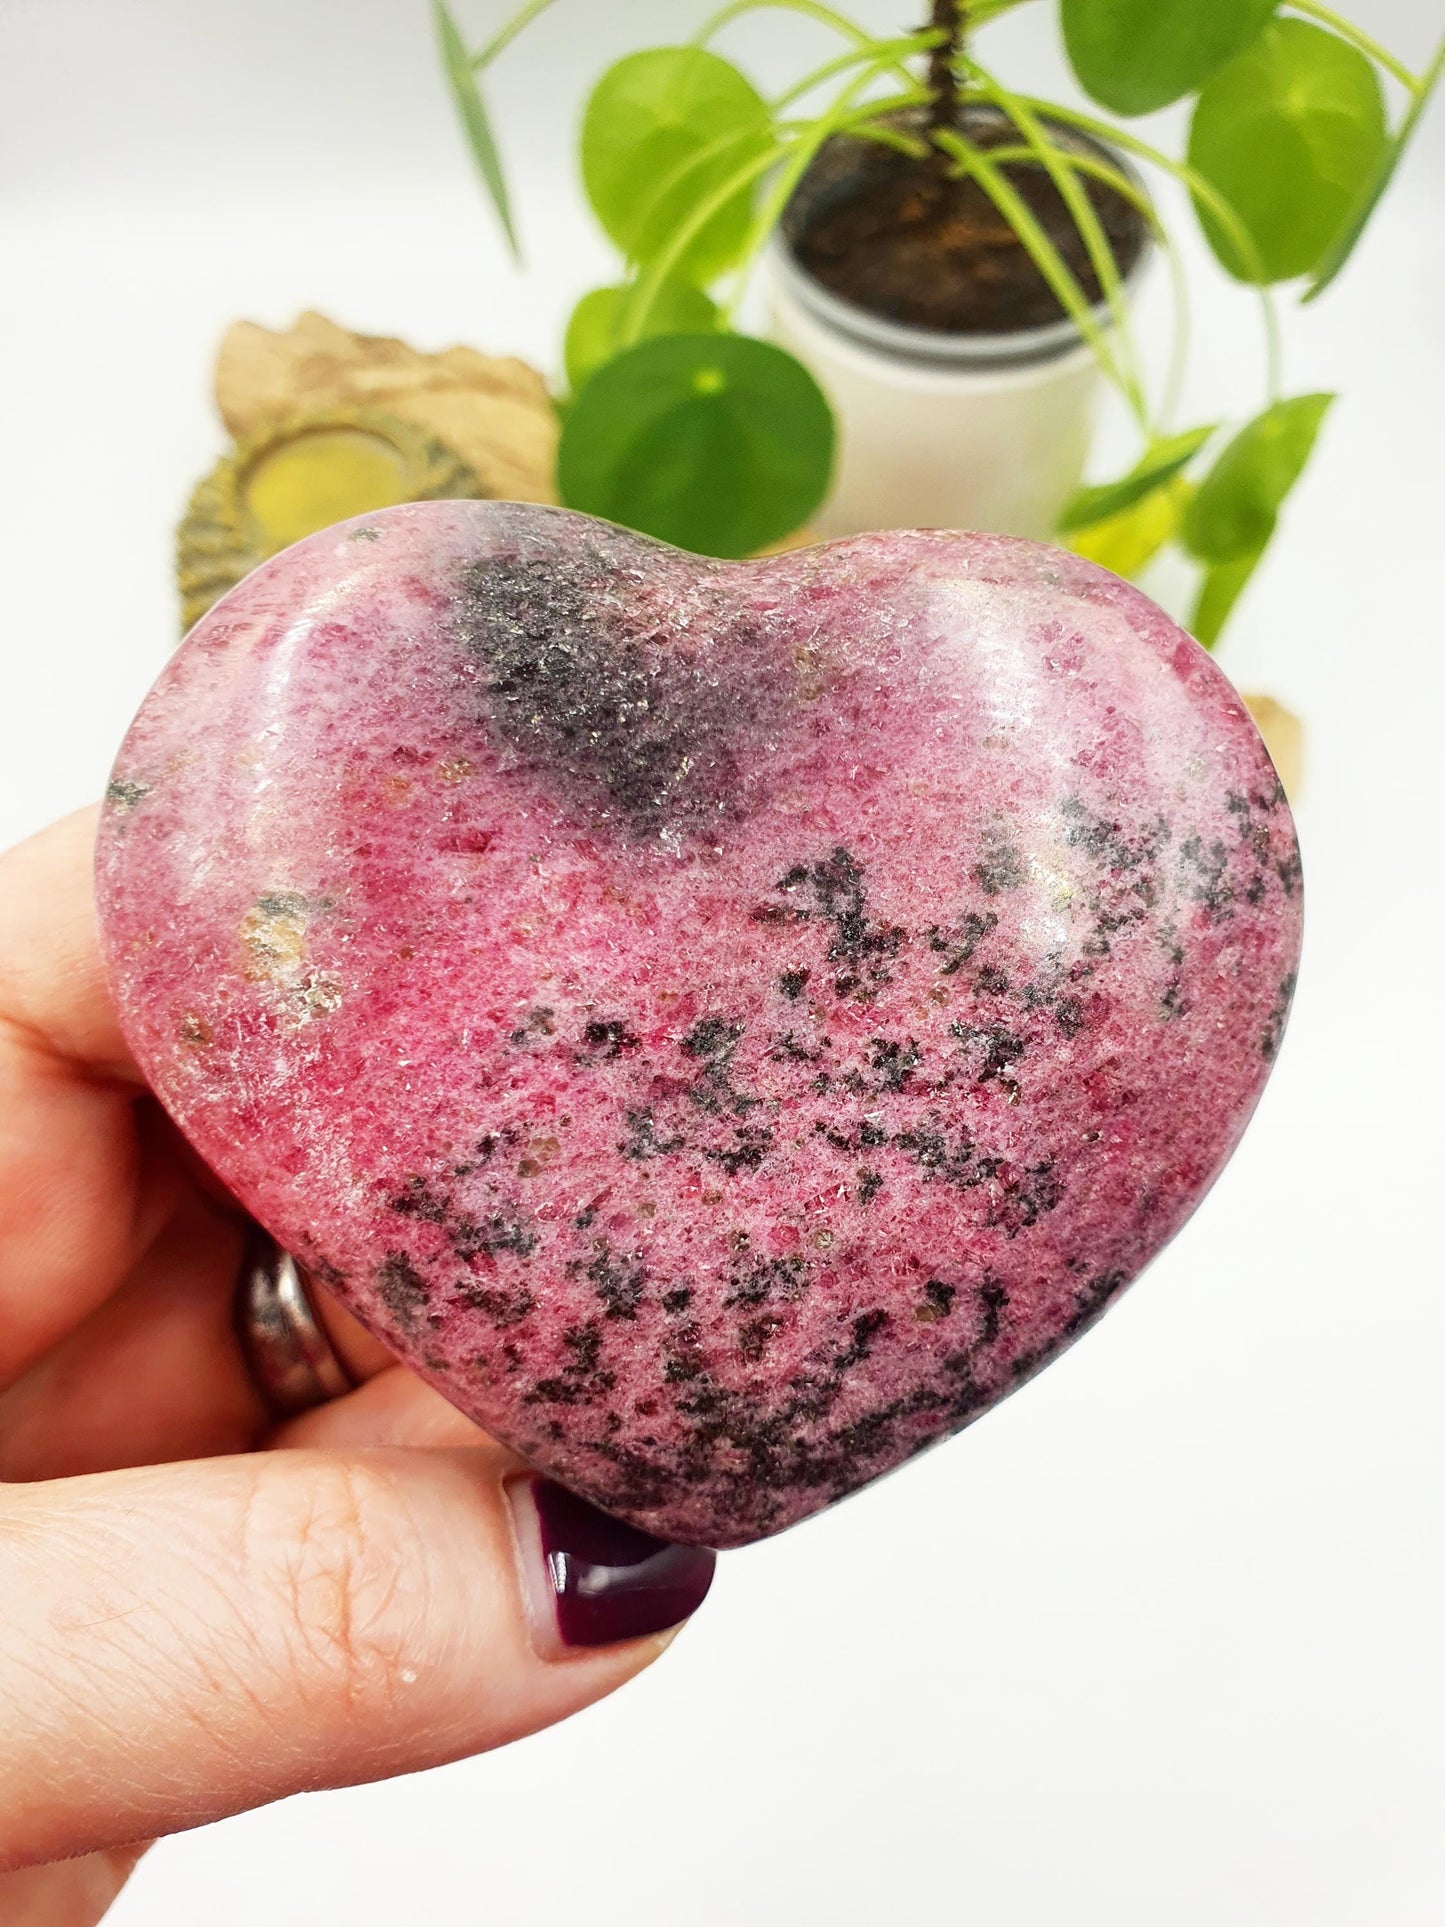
[493, 412]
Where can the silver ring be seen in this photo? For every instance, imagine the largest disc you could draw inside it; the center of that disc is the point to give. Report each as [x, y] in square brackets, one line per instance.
[290, 1356]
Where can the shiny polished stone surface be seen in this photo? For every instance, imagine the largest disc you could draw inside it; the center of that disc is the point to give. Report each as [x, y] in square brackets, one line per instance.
[726, 1024]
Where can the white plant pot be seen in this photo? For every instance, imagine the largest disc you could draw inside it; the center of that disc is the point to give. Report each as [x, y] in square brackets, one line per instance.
[928, 445]
[941, 430]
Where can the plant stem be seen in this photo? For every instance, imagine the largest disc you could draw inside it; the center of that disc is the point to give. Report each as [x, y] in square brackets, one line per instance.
[1202, 190]
[1347, 30]
[810, 9]
[1020, 154]
[863, 128]
[1040, 249]
[1179, 347]
[710, 151]
[1090, 229]
[1139, 200]
[914, 43]
[717, 21]
[982, 11]
[508, 33]
[643, 296]
[858, 122]
[948, 19]
[836, 120]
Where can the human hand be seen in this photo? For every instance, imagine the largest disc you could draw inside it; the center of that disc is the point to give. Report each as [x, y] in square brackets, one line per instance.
[205, 1608]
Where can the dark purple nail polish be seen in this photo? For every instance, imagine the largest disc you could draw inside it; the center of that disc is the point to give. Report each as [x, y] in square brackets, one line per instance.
[597, 1580]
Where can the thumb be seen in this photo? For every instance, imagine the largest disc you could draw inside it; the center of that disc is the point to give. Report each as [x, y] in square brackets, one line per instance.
[183, 1642]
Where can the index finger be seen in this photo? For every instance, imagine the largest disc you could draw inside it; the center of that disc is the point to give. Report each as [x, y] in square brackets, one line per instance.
[75, 1208]
[52, 981]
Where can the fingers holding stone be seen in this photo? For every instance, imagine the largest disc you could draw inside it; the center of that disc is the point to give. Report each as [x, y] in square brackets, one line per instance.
[187, 1642]
[72, 1217]
[84, 1182]
[73, 1893]
[394, 1407]
[362, 1356]
[181, 1642]
[52, 979]
[156, 1371]
[153, 1373]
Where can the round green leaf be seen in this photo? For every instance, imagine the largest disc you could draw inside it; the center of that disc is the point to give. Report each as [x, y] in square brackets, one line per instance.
[717, 443]
[1232, 513]
[662, 130]
[1348, 234]
[1136, 55]
[592, 331]
[1289, 133]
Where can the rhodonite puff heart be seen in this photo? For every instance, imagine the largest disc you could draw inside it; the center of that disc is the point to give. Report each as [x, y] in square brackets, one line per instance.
[724, 1023]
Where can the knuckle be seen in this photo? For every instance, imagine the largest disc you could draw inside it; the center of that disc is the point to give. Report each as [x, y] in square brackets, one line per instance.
[338, 1553]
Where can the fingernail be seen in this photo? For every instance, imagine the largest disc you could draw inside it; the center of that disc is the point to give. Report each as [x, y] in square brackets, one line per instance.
[589, 1580]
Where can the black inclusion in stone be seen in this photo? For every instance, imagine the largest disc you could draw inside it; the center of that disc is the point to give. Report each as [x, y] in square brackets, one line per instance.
[608, 1580]
[581, 680]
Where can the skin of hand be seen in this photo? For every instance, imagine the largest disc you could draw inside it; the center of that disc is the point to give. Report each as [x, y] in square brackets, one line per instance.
[205, 1609]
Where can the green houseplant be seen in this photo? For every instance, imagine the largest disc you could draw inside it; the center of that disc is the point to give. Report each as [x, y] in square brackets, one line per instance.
[680, 425]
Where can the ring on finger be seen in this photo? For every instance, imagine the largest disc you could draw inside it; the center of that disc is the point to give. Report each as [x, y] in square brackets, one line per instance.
[288, 1353]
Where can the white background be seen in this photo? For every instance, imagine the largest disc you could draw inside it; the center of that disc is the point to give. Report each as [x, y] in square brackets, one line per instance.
[1158, 1643]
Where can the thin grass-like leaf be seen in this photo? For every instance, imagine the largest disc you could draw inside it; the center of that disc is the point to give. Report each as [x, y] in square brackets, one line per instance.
[476, 126]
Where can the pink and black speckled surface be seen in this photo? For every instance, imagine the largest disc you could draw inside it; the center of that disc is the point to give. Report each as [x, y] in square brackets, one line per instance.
[725, 1023]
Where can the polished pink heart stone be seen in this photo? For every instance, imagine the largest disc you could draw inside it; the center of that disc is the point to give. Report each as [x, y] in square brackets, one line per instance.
[725, 1024]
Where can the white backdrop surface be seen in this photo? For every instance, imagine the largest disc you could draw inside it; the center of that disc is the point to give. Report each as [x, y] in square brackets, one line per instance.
[1156, 1644]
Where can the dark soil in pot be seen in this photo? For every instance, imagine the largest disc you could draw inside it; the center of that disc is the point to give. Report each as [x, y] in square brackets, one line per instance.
[896, 237]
